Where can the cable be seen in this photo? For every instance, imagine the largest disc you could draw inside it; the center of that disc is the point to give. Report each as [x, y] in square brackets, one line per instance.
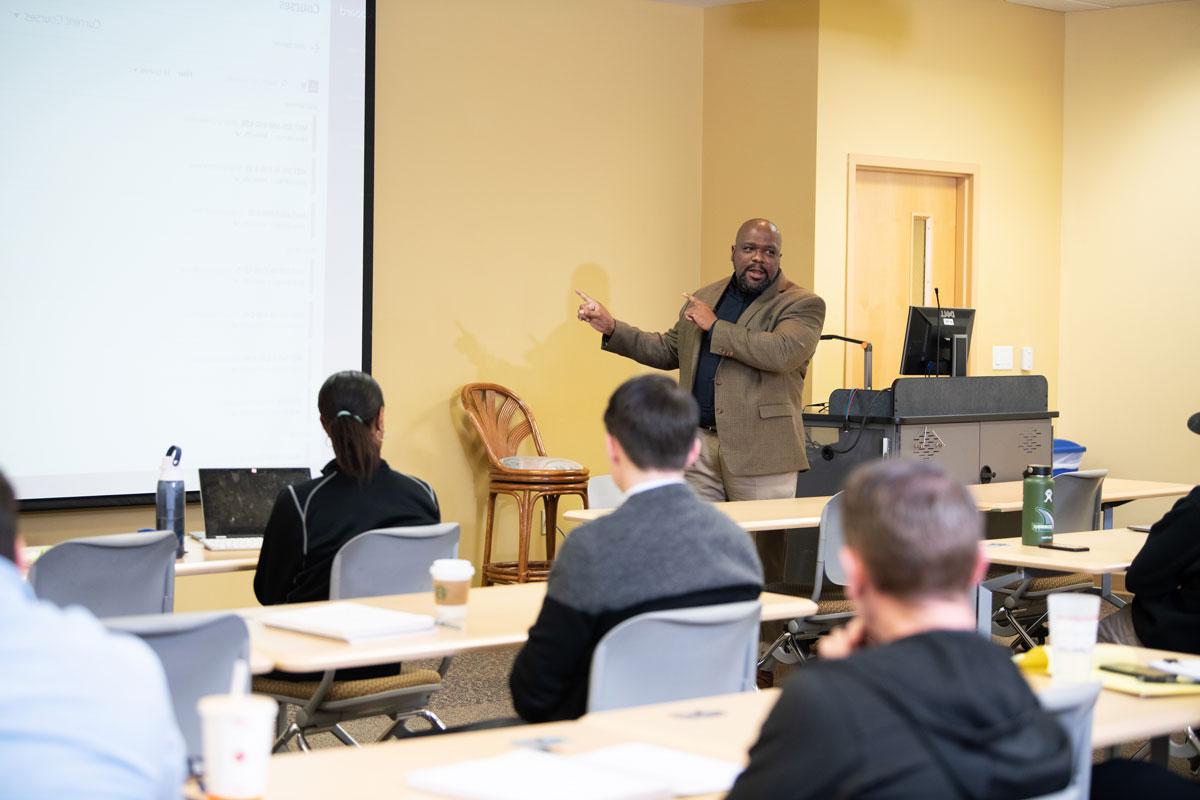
[829, 451]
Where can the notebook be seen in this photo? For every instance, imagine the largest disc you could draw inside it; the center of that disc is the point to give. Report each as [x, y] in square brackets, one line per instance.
[350, 622]
[237, 502]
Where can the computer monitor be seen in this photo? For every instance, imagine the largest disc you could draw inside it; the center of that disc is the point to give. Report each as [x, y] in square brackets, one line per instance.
[936, 341]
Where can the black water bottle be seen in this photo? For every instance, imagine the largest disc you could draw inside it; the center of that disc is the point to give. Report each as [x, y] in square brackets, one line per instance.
[169, 498]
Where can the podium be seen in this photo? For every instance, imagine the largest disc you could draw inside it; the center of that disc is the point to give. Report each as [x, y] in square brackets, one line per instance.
[978, 430]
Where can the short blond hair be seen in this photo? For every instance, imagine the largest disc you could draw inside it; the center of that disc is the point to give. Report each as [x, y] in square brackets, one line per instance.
[916, 529]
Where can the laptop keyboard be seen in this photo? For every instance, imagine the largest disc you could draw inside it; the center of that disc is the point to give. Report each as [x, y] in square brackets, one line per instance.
[236, 543]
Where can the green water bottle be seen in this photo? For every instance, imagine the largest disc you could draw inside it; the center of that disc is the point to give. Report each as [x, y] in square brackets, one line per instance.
[1037, 510]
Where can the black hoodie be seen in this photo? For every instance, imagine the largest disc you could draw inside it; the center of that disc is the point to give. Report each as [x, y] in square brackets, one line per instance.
[942, 714]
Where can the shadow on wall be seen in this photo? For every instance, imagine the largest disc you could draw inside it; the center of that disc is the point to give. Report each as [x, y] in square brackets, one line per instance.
[562, 376]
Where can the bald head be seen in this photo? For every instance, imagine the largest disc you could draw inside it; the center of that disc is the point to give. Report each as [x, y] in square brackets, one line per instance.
[755, 254]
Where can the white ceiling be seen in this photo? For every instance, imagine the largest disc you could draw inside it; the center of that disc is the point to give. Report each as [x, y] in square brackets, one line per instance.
[1084, 5]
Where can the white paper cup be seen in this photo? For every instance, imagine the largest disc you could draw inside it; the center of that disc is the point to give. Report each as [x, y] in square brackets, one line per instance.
[1073, 618]
[451, 586]
[238, 732]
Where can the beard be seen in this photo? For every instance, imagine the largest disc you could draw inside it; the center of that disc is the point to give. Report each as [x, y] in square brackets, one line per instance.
[746, 286]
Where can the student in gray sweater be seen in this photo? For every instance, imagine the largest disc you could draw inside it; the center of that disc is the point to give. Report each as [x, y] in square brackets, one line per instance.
[663, 548]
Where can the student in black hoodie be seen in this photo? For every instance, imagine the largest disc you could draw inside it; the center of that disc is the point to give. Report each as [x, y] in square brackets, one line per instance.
[908, 700]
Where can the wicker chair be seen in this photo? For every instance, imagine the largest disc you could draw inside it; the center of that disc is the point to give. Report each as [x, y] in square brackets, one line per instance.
[504, 422]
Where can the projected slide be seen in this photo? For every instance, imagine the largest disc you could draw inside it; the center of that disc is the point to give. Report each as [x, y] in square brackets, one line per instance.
[181, 251]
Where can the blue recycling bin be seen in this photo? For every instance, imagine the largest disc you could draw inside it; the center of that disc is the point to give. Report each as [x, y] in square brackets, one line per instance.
[1068, 456]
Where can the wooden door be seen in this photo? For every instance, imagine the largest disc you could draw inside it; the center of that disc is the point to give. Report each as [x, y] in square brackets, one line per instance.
[906, 239]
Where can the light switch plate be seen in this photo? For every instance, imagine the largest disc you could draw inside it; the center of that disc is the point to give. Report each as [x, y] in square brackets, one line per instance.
[1002, 357]
[1027, 358]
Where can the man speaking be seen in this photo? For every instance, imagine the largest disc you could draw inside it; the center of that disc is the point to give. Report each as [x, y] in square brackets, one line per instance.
[742, 346]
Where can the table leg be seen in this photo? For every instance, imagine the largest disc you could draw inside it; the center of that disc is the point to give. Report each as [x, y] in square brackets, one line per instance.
[1106, 592]
[1160, 750]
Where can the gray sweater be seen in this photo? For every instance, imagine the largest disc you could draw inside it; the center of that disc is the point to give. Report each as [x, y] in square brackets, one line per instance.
[664, 548]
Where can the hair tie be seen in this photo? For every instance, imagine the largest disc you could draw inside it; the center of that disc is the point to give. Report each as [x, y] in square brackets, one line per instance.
[345, 413]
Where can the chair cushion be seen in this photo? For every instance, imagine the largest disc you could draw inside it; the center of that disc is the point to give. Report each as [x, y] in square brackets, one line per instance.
[541, 463]
[1044, 583]
[833, 601]
[344, 690]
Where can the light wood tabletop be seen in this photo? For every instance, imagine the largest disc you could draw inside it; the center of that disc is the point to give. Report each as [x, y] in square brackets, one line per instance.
[497, 616]
[196, 559]
[751, 515]
[1121, 717]
[805, 512]
[719, 727]
[1006, 496]
[199, 561]
[1108, 552]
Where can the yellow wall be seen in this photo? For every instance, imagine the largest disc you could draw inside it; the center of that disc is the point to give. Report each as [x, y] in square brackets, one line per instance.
[760, 105]
[973, 81]
[525, 149]
[1130, 264]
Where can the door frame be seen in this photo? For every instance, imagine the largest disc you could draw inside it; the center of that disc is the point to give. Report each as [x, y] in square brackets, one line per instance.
[967, 218]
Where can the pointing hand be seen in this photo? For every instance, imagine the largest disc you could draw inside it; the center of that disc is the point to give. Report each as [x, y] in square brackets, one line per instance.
[595, 314]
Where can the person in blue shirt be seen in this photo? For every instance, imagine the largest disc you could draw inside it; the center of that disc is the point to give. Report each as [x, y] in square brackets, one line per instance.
[83, 712]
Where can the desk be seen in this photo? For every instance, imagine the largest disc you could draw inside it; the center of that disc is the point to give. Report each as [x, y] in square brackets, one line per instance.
[1109, 552]
[725, 728]
[720, 727]
[497, 616]
[196, 560]
[805, 512]
[199, 561]
[1121, 718]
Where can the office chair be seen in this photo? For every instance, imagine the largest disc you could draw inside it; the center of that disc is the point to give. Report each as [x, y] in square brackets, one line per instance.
[197, 652]
[1022, 611]
[1072, 706]
[828, 582]
[378, 562]
[111, 576]
[676, 654]
[602, 492]
[504, 422]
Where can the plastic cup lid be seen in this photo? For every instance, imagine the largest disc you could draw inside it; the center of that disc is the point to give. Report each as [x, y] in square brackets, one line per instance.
[452, 569]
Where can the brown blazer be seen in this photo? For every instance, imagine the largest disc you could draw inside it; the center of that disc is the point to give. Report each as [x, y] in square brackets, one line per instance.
[759, 384]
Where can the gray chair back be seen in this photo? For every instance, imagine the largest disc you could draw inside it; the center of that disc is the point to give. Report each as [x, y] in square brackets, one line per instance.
[197, 652]
[1077, 500]
[391, 560]
[111, 576]
[676, 655]
[603, 492]
[1072, 706]
[829, 544]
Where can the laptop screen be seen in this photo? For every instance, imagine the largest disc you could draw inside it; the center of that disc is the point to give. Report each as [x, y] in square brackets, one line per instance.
[238, 502]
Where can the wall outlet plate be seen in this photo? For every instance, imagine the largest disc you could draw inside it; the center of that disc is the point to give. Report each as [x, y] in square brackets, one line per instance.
[1026, 358]
[1002, 357]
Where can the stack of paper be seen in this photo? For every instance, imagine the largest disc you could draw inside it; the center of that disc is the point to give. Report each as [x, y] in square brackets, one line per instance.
[633, 771]
[1187, 667]
[351, 622]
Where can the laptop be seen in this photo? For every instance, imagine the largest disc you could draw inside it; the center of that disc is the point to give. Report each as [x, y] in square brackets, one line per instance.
[237, 503]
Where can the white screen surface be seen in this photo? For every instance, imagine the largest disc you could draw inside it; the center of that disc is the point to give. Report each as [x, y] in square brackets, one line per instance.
[182, 247]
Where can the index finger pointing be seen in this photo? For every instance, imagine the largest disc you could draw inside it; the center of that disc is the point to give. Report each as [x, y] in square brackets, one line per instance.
[584, 296]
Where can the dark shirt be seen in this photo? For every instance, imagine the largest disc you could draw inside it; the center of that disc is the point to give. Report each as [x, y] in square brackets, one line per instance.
[729, 309]
[936, 715]
[311, 521]
[1165, 580]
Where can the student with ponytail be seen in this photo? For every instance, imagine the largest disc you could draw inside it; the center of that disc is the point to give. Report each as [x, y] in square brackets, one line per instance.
[356, 492]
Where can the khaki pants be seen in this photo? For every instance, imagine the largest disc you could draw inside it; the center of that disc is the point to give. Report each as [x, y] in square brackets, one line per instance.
[710, 479]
